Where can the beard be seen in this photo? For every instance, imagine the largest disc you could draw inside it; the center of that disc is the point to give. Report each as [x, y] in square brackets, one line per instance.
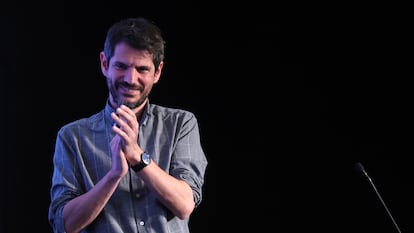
[133, 105]
[118, 100]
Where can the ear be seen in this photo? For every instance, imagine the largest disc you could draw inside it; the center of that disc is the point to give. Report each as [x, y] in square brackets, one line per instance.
[158, 73]
[104, 63]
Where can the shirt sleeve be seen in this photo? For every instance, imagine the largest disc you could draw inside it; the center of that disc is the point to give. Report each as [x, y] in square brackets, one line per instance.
[189, 161]
[64, 181]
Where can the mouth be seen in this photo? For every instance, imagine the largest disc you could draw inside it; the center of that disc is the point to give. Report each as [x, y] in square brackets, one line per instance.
[129, 90]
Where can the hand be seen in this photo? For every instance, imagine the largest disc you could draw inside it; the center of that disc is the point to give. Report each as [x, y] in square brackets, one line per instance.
[127, 130]
[119, 163]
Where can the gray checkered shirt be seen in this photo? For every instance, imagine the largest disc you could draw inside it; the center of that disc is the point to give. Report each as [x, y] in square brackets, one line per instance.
[82, 157]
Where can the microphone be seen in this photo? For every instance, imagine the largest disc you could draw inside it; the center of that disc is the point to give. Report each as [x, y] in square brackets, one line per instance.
[361, 169]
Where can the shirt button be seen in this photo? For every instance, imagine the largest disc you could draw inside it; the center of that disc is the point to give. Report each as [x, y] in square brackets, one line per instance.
[138, 195]
[142, 223]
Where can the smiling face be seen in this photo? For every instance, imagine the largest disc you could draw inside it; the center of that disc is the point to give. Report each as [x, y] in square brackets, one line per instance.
[130, 75]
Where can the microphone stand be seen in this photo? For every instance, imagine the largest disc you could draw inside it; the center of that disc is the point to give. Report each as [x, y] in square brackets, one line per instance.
[361, 169]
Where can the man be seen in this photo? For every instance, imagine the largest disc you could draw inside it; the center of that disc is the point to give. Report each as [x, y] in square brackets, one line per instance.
[134, 166]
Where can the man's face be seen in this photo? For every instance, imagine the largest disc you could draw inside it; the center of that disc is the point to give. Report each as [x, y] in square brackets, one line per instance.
[130, 75]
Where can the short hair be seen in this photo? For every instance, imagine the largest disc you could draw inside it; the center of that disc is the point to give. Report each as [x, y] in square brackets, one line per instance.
[139, 33]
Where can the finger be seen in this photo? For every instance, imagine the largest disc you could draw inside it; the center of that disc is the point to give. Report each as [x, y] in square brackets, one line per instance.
[128, 115]
[120, 131]
[120, 122]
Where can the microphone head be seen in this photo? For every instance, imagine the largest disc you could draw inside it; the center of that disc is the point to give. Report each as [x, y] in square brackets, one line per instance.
[360, 168]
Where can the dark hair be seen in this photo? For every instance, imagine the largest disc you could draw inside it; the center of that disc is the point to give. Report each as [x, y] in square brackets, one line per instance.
[139, 33]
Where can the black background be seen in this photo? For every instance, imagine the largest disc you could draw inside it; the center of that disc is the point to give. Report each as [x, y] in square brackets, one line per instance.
[288, 100]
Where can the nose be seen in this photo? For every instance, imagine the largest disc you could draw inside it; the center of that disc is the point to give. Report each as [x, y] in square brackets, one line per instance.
[131, 75]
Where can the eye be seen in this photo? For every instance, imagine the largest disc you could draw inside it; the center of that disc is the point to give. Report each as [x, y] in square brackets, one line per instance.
[120, 66]
[143, 69]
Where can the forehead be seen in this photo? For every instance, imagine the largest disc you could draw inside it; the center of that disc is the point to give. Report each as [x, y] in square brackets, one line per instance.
[125, 53]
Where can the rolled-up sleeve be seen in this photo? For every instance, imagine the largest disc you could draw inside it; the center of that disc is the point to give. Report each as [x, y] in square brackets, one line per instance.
[64, 181]
[189, 161]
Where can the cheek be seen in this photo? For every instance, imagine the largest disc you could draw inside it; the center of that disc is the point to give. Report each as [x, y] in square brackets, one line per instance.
[111, 82]
[111, 76]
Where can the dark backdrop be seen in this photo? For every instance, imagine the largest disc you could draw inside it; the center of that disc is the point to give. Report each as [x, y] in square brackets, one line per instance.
[288, 100]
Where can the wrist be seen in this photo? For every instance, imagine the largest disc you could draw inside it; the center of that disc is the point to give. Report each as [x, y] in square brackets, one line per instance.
[145, 160]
